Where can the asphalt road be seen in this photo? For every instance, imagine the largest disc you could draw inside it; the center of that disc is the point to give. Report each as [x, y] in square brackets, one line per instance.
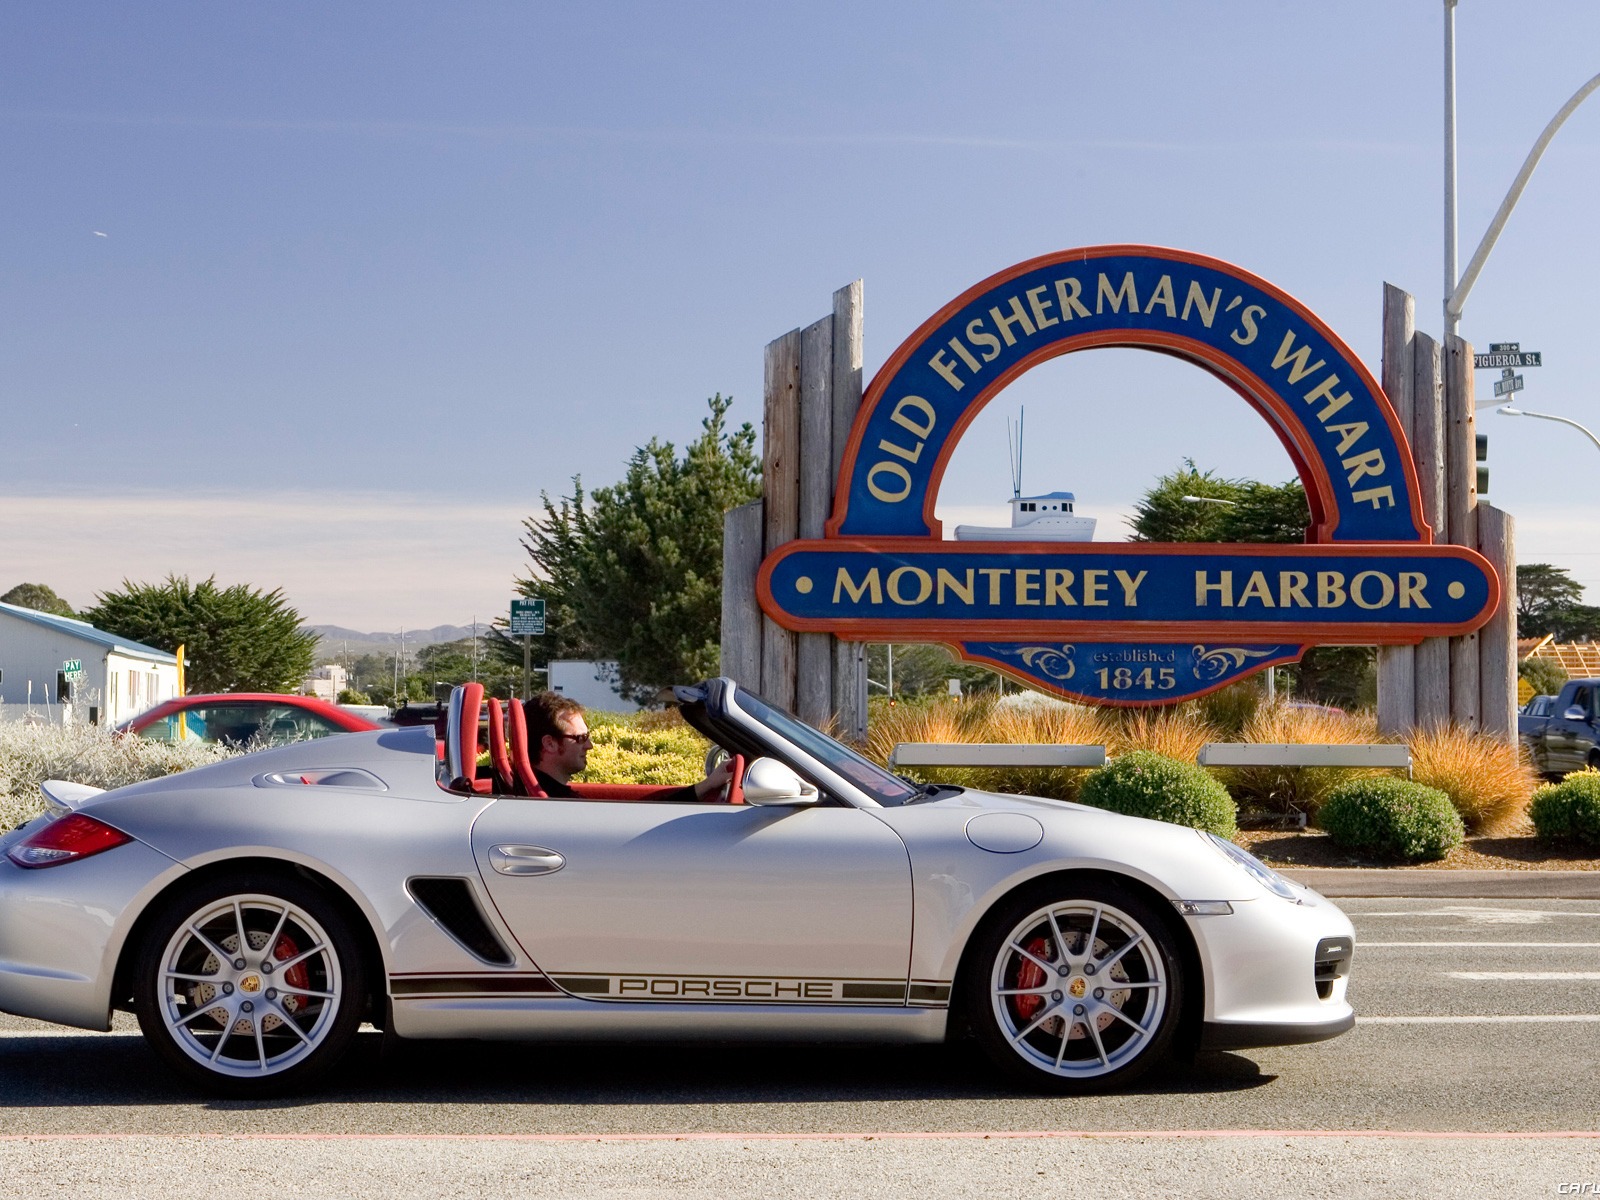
[1472, 1066]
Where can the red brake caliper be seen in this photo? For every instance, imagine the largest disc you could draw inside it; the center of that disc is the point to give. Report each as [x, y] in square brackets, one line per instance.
[296, 976]
[1031, 975]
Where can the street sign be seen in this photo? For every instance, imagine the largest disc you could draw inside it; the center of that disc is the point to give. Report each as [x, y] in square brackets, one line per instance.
[1507, 354]
[1510, 383]
[527, 618]
[72, 668]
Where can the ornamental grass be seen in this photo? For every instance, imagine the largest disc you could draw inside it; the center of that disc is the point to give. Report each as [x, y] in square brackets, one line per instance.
[1490, 783]
[1177, 732]
[989, 719]
[89, 754]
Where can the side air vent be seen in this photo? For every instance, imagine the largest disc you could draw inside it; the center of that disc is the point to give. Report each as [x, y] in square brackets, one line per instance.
[450, 902]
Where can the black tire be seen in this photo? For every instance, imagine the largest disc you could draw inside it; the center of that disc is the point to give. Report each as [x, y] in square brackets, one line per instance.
[270, 1020]
[1048, 1020]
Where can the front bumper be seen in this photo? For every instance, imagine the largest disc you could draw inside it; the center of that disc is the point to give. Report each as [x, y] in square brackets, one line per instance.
[1276, 972]
[1241, 1035]
[62, 929]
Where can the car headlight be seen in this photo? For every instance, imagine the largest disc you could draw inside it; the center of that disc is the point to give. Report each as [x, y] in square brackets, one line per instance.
[1255, 868]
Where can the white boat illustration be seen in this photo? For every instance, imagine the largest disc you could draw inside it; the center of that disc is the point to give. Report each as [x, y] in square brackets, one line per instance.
[1044, 518]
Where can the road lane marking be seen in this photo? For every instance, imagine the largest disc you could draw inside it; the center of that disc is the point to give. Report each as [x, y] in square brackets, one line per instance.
[1500, 945]
[1482, 916]
[1505, 1019]
[832, 1136]
[1529, 975]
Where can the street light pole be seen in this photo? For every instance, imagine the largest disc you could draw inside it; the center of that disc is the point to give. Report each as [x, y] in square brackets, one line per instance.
[1509, 411]
[1450, 249]
[1455, 290]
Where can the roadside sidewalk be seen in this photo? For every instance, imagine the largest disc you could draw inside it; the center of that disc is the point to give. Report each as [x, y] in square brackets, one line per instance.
[1335, 882]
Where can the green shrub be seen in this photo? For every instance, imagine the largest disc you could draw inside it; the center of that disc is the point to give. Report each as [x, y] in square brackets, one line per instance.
[1143, 783]
[1569, 809]
[1394, 818]
[641, 748]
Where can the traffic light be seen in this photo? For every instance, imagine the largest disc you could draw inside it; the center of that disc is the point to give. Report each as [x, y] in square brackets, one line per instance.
[1483, 470]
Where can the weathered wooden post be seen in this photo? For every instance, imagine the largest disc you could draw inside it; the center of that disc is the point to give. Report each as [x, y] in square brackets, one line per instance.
[1461, 486]
[1397, 665]
[1469, 680]
[1428, 449]
[811, 394]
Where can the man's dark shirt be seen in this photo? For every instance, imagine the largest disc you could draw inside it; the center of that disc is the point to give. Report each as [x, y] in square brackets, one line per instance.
[553, 787]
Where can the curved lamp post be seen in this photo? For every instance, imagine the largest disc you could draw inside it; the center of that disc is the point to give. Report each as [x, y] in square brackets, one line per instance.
[1508, 410]
[1456, 290]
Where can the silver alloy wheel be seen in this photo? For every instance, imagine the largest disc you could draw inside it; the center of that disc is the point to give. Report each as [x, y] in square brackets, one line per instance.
[250, 986]
[1079, 989]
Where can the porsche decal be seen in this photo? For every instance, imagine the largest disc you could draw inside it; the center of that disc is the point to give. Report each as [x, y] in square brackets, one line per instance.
[693, 988]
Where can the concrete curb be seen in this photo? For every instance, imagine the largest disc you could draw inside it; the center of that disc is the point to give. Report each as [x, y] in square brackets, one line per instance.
[1335, 882]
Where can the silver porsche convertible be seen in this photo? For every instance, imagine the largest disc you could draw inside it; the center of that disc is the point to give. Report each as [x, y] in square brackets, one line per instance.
[253, 913]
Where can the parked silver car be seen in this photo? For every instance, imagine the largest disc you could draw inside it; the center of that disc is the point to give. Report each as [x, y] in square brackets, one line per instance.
[254, 912]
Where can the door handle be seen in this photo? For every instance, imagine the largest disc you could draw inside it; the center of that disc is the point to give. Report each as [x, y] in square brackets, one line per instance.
[525, 860]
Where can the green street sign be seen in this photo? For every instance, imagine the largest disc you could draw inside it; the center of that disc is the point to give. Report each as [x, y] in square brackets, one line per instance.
[527, 618]
[72, 668]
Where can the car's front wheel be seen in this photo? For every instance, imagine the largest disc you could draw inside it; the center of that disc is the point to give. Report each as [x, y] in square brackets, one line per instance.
[250, 985]
[1075, 987]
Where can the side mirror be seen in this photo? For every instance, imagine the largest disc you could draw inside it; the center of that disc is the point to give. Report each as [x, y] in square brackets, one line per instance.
[1575, 714]
[768, 782]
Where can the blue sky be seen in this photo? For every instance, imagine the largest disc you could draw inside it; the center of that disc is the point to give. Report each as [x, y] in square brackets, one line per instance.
[373, 276]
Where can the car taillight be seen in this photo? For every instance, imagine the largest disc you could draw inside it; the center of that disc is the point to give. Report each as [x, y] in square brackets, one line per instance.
[68, 839]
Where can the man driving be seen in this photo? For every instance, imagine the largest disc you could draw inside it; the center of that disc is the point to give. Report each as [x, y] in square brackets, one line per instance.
[559, 742]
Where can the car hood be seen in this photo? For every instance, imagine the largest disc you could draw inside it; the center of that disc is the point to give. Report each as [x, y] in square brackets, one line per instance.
[1031, 835]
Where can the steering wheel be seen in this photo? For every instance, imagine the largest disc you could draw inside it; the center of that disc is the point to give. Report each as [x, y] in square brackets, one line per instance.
[733, 791]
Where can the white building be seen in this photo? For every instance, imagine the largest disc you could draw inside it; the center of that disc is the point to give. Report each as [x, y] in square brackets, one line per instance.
[326, 682]
[117, 678]
[592, 684]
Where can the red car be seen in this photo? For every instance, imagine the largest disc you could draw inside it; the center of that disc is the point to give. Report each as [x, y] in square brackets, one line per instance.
[244, 719]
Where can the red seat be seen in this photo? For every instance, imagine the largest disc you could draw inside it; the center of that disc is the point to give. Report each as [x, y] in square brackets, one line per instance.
[521, 763]
[504, 776]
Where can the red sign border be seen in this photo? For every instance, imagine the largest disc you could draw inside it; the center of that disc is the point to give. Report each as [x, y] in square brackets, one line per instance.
[1264, 399]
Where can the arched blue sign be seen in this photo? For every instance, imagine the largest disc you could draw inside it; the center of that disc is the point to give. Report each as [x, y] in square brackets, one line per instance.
[1129, 623]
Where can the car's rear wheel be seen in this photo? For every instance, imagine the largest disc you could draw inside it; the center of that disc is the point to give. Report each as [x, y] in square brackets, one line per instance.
[251, 985]
[1075, 987]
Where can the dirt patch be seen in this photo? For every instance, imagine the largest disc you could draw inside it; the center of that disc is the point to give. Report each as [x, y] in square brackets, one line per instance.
[1519, 853]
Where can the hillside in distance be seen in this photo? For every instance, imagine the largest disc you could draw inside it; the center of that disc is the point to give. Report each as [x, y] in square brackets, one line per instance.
[335, 640]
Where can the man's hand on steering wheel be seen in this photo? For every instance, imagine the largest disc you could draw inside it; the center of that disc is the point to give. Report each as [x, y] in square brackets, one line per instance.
[722, 781]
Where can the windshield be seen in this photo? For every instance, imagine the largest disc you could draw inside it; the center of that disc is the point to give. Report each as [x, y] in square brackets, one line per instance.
[872, 779]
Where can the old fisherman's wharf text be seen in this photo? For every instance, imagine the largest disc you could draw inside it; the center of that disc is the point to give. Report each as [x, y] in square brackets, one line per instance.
[1295, 373]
